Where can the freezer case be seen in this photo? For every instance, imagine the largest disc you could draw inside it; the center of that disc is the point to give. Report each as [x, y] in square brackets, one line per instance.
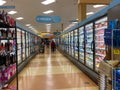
[89, 45]
[100, 53]
[81, 44]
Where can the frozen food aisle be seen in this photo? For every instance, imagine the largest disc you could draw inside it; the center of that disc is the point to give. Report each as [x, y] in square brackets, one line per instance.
[53, 71]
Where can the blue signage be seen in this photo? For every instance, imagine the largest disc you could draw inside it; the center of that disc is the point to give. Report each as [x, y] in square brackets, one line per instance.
[48, 19]
[7, 7]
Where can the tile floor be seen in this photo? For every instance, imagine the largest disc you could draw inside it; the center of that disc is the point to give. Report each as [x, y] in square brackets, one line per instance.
[53, 71]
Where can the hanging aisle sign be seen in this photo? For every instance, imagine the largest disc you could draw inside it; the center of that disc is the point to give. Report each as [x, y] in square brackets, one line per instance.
[7, 7]
[48, 19]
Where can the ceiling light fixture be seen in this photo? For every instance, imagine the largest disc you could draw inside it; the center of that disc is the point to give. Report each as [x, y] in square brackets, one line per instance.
[2, 2]
[97, 6]
[30, 27]
[89, 13]
[49, 11]
[48, 24]
[19, 18]
[47, 2]
[12, 12]
[28, 24]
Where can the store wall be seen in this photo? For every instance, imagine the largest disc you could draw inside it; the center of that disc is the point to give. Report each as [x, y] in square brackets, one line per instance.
[114, 13]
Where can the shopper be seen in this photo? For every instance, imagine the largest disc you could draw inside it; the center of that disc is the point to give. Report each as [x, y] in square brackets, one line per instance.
[47, 43]
[53, 46]
[42, 47]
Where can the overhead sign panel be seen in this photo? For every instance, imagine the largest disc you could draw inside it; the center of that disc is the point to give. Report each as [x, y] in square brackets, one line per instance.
[48, 19]
[7, 7]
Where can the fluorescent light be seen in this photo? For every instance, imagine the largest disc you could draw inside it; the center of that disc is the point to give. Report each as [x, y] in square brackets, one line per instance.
[2, 2]
[97, 6]
[74, 22]
[46, 2]
[48, 24]
[89, 13]
[28, 24]
[12, 12]
[19, 18]
[49, 11]
[30, 27]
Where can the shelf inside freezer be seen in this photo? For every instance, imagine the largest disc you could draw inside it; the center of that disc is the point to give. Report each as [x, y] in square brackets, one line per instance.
[81, 51]
[90, 31]
[90, 58]
[100, 48]
[101, 28]
[88, 46]
[99, 41]
[81, 33]
[89, 52]
[97, 35]
[100, 54]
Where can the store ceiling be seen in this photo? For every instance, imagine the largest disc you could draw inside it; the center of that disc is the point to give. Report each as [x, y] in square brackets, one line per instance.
[29, 9]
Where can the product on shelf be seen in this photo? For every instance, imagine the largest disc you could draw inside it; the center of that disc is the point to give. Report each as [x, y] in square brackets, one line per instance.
[7, 48]
[5, 19]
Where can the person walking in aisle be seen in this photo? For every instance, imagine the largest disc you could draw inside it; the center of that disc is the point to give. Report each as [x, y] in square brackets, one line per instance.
[53, 46]
[42, 47]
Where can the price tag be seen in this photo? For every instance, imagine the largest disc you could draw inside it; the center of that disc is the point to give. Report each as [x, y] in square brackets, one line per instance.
[116, 51]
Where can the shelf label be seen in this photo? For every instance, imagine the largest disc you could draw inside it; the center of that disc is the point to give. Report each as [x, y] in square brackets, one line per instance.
[48, 19]
[116, 51]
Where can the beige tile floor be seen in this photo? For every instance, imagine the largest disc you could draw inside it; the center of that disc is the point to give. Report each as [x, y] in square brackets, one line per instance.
[53, 71]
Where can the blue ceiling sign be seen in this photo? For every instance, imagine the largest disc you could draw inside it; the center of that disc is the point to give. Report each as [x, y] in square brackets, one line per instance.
[48, 19]
[7, 7]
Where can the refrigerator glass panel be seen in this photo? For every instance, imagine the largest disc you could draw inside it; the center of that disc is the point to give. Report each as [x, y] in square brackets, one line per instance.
[81, 44]
[76, 43]
[19, 50]
[23, 45]
[100, 52]
[71, 44]
[66, 42]
[89, 45]
[62, 43]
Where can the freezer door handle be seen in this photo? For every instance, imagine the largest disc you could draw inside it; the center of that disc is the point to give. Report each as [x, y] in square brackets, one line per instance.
[92, 45]
[83, 44]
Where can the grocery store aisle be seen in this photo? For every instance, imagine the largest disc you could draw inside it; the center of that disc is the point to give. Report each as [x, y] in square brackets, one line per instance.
[53, 71]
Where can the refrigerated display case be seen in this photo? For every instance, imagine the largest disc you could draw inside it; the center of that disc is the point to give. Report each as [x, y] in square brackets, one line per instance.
[76, 43]
[89, 45]
[100, 53]
[81, 44]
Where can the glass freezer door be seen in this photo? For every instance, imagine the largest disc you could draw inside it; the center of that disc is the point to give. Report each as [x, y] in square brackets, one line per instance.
[76, 43]
[81, 44]
[71, 44]
[89, 45]
[100, 52]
